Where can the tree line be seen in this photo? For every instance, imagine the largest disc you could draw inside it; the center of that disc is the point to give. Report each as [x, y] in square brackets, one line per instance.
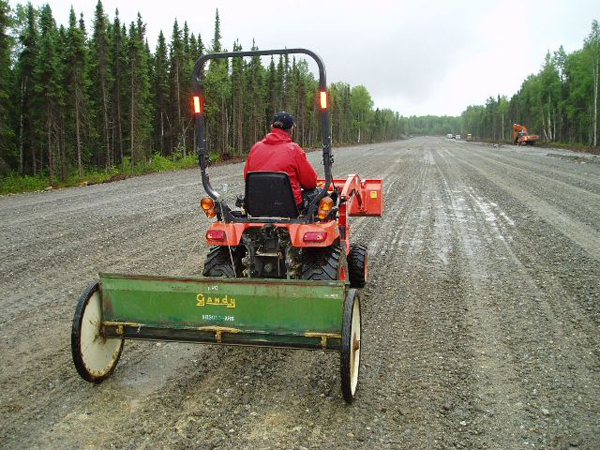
[73, 100]
[559, 103]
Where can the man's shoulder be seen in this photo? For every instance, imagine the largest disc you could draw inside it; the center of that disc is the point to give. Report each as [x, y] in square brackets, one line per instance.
[259, 144]
[295, 147]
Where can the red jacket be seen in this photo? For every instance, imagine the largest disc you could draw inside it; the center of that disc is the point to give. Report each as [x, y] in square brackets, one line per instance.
[277, 153]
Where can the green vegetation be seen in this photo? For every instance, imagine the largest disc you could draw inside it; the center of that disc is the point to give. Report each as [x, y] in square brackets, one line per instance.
[433, 125]
[14, 183]
[78, 106]
[560, 103]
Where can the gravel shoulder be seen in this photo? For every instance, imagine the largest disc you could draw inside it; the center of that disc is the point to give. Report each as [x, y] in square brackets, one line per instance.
[480, 319]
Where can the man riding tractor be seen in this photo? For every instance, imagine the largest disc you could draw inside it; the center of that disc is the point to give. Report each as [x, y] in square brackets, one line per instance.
[278, 153]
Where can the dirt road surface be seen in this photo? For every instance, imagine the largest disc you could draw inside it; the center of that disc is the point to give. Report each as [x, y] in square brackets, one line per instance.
[480, 321]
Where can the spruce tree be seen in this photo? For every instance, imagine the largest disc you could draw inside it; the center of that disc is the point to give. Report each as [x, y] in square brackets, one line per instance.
[280, 85]
[186, 91]
[118, 63]
[270, 89]
[194, 50]
[7, 150]
[160, 92]
[140, 109]
[28, 103]
[254, 112]
[186, 41]
[218, 92]
[237, 92]
[100, 73]
[47, 86]
[64, 113]
[76, 61]
[200, 46]
[216, 42]
[176, 81]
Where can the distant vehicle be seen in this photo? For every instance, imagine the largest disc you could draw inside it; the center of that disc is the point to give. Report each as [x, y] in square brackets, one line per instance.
[522, 137]
[457, 136]
[469, 137]
[449, 136]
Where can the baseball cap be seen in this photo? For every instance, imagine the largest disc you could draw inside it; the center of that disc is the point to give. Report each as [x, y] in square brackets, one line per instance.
[283, 120]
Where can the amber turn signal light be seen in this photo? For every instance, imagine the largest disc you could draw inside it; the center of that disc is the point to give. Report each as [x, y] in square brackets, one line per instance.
[208, 206]
[207, 203]
[325, 206]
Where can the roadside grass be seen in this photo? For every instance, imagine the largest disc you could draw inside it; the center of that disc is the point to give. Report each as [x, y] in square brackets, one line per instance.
[15, 183]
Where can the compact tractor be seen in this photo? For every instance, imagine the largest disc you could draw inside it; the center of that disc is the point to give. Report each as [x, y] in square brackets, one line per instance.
[276, 275]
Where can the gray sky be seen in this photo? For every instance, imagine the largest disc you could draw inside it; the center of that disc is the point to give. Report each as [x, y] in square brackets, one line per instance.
[415, 57]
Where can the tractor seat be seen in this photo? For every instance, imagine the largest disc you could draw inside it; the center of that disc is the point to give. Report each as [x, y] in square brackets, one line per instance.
[270, 194]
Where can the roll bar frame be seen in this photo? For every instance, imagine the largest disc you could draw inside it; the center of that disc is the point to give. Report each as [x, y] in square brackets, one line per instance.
[203, 157]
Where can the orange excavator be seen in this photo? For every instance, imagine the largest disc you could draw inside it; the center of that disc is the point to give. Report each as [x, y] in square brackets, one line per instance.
[522, 137]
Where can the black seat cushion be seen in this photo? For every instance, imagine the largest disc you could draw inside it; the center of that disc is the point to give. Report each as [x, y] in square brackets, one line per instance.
[270, 194]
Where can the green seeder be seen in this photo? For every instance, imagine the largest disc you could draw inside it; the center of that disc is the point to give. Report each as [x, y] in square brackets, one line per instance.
[266, 313]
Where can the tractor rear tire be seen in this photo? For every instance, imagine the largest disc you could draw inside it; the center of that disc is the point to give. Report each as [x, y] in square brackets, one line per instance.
[357, 265]
[326, 263]
[218, 263]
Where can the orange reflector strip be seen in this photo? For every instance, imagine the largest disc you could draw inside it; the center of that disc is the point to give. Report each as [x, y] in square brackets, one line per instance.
[197, 108]
[323, 99]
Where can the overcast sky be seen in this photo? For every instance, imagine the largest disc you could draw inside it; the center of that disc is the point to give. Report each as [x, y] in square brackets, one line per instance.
[415, 57]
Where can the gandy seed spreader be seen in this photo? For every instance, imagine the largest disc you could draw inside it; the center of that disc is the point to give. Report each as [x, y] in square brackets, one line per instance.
[275, 276]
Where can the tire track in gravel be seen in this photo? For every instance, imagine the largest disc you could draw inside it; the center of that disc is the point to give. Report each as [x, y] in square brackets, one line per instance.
[581, 234]
[532, 386]
[578, 201]
[542, 163]
[496, 388]
[412, 369]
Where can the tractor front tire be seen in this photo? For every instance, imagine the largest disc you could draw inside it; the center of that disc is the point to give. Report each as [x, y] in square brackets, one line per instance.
[357, 265]
[328, 263]
[218, 263]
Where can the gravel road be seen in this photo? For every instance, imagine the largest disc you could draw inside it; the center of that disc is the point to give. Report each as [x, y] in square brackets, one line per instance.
[480, 321]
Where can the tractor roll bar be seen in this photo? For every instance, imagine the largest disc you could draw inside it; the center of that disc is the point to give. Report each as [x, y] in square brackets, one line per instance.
[203, 157]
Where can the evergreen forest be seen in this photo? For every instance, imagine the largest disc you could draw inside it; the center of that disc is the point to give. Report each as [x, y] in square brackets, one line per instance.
[75, 101]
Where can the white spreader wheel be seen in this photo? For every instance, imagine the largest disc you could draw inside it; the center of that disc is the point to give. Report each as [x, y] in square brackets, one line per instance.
[95, 356]
[350, 352]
